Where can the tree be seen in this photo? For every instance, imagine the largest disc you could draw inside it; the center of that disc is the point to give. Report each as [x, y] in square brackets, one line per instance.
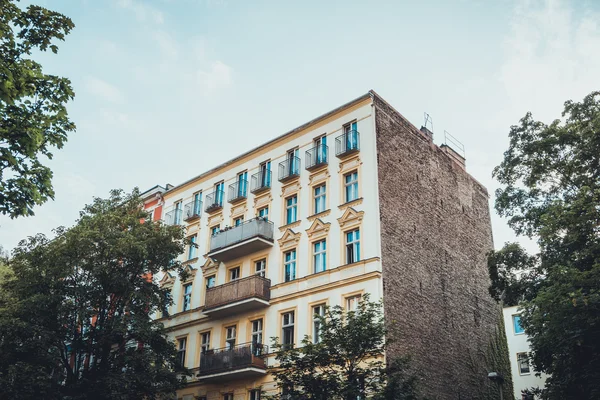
[550, 191]
[345, 363]
[79, 324]
[33, 114]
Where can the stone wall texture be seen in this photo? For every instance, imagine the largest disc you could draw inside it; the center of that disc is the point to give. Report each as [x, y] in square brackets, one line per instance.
[435, 233]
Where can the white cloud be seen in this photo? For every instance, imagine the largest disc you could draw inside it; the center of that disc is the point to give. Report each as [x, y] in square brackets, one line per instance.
[143, 12]
[219, 75]
[104, 90]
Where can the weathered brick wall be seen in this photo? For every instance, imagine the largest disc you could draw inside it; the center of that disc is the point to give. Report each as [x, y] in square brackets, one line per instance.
[436, 231]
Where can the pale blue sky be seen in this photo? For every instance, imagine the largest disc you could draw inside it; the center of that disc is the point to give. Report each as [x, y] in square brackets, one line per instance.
[167, 89]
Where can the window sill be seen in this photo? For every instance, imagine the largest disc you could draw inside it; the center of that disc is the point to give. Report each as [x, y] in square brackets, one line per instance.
[190, 261]
[319, 215]
[289, 226]
[351, 203]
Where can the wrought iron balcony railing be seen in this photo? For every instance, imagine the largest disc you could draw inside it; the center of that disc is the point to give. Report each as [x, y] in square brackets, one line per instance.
[238, 191]
[231, 359]
[289, 169]
[260, 181]
[317, 156]
[173, 217]
[347, 143]
[214, 201]
[192, 210]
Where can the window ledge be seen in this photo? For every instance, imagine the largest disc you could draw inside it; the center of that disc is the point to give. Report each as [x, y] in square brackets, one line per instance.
[351, 203]
[190, 261]
[289, 226]
[319, 215]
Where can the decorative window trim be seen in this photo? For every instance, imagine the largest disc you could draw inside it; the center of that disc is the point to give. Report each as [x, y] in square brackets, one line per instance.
[167, 280]
[318, 229]
[289, 240]
[351, 218]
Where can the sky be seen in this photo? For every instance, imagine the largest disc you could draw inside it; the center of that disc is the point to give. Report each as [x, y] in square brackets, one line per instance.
[167, 89]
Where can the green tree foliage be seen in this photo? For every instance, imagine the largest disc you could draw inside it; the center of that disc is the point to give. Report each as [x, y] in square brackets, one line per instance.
[346, 363]
[33, 114]
[78, 324]
[550, 179]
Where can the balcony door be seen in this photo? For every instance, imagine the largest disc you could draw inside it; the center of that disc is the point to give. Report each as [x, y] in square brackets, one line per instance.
[219, 193]
[351, 136]
[242, 182]
[321, 149]
[293, 161]
[265, 176]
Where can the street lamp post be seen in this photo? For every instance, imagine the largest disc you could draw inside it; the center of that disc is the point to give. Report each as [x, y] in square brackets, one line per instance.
[499, 379]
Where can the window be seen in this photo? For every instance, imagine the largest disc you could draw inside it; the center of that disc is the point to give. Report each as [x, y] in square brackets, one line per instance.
[254, 394]
[205, 342]
[177, 217]
[265, 174]
[523, 362]
[197, 203]
[351, 136]
[219, 193]
[352, 302]
[289, 266]
[192, 247]
[352, 246]
[187, 297]
[320, 256]
[228, 396]
[321, 148]
[351, 186]
[257, 336]
[317, 311]
[210, 281]
[260, 267]
[517, 324]
[287, 326]
[242, 183]
[165, 311]
[238, 221]
[264, 213]
[214, 230]
[181, 345]
[230, 334]
[234, 273]
[150, 215]
[291, 209]
[293, 162]
[320, 203]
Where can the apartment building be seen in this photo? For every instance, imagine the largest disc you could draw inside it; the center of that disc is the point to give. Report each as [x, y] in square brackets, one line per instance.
[356, 201]
[523, 375]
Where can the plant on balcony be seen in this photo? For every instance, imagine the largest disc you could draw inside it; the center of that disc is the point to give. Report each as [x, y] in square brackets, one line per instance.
[346, 363]
[75, 320]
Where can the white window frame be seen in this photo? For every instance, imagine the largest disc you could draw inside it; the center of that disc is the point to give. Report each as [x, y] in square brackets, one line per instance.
[523, 358]
[181, 350]
[230, 336]
[320, 198]
[351, 187]
[319, 309]
[320, 254]
[187, 297]
[289, 263]
[291, 209]
[286, 326]
[260, 267]
[352, 302]
[352, 245]
[204, 342]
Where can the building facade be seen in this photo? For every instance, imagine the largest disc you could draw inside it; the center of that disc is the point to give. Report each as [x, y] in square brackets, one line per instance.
[523, 375]
[355, 201]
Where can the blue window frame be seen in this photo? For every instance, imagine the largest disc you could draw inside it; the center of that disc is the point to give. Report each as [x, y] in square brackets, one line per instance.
[517, 324]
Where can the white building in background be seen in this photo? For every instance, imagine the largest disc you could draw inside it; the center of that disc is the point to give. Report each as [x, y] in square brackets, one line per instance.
[523, 375]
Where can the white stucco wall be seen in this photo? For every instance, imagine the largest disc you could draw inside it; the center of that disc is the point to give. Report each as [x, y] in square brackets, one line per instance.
[518, 343]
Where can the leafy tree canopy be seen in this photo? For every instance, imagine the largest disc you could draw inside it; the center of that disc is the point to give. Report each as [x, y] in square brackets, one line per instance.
[550, 191]
[33, 114]
[78, 322]
[345, 363]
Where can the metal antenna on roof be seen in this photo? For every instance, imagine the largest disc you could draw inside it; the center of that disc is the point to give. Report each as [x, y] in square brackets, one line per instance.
[429, 120]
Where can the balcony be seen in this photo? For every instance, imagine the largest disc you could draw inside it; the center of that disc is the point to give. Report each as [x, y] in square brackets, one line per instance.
[238, 191]
[245, 360]
[237, 296]
[192, 211]
[347, 143]
[214, 201]
[289, 169]
[173, 217]
[260, 181]
[237, 241]
[316, 157]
